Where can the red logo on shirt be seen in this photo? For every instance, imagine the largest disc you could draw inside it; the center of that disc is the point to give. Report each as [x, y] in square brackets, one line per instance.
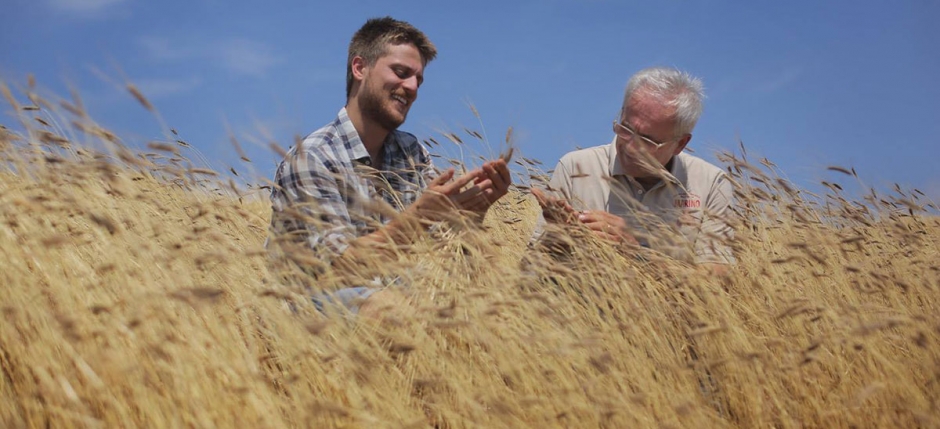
[688, 201]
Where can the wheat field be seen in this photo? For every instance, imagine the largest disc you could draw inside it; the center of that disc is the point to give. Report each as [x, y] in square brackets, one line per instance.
[136, 292]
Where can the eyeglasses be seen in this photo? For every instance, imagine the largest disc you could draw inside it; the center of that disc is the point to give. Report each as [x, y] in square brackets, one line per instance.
[625, 132]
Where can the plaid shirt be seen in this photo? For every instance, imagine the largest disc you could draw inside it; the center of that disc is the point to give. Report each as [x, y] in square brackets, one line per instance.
[327, 191]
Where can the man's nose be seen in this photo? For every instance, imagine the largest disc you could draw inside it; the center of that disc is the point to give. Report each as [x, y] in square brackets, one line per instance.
[635, 144]
[411, 85]
[630, 142]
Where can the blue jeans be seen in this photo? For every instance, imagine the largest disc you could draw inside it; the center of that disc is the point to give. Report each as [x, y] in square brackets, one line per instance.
[350, 298]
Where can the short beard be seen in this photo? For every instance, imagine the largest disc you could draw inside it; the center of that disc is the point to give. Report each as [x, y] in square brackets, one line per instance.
[372, 108]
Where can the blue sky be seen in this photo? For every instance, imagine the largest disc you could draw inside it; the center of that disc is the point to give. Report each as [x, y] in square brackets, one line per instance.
[806, 84]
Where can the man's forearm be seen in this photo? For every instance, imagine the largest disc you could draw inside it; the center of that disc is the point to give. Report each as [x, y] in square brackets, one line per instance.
[380, 245]
[715, 269]
[399, 231]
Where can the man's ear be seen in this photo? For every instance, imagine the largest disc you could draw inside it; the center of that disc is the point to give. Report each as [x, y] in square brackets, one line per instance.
[359, 67]
[682, 143]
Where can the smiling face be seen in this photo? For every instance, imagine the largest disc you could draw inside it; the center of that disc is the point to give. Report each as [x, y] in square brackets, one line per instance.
[655, 120]
[390, 86]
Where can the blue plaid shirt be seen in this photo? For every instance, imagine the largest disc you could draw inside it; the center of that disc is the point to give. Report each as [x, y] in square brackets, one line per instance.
[328, 193]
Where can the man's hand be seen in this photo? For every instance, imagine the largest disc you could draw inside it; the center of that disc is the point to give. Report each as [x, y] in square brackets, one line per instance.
[555, 210]
[493, 180]
[607, 226]
[441, 199]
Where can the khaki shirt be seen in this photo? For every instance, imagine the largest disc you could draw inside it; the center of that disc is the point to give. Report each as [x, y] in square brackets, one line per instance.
[686, 220]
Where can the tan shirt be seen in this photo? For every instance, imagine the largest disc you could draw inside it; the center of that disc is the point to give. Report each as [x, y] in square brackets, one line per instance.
[686, 220]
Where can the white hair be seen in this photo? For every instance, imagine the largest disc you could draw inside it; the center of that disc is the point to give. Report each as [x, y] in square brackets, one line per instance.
[675, 88]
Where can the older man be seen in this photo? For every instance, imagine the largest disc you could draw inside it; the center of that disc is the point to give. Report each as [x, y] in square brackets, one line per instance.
[338, 191]
[642, 188]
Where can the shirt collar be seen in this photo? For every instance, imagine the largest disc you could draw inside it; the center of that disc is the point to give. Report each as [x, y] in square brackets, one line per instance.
[615, 168]
[357, 150]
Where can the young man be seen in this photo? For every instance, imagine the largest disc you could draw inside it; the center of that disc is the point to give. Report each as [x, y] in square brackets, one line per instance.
[641, 188]
[355, 190]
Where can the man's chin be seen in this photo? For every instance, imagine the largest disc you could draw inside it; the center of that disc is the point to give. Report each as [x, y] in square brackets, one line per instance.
[400, 116]
[392, 122]
[629, 168]
[635, 172]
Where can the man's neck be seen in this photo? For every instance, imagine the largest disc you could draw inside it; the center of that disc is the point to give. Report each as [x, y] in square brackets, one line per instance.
[371, 133]
[649, 182]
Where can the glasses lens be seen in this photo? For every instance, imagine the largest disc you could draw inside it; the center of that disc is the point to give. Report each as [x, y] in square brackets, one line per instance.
[651, 142]
[622, 131]
[627, 133]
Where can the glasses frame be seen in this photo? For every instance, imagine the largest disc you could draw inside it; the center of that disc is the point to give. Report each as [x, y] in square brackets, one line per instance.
[620, 128]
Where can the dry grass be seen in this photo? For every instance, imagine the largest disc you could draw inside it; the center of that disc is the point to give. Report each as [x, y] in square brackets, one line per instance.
[136, 294]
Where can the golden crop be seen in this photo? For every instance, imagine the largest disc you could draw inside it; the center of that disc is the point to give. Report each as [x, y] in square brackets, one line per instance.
[136, 293]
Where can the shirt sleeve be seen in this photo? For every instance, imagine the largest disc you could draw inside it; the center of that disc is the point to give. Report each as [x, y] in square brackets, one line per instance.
[425, 168]
[561, 180]
[713, 242]
[411, 166]
[310, 204]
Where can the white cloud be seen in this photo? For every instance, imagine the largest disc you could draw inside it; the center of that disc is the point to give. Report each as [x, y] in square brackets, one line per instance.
[156, 88]
[240, 56]
[161, 49]
[246, 56]
[84, 7]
